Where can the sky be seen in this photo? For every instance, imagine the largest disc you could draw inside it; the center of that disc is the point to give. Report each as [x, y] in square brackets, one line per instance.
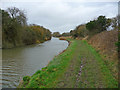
[63, 15]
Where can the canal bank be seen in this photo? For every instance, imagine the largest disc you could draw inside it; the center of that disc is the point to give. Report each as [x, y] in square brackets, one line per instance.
[80, 66]
[22, 61]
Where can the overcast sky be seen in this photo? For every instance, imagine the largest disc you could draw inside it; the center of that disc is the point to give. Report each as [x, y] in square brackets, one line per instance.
[63, 15]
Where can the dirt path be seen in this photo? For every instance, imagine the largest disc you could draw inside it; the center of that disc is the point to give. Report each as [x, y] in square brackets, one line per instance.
[84, 70]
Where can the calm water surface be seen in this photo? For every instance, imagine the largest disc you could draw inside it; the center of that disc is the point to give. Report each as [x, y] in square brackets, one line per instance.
[21, 61]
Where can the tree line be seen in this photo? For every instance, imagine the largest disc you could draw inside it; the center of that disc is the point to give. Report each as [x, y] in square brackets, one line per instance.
[16, 31]
[95, 26]
[91, 28]
[57, 34]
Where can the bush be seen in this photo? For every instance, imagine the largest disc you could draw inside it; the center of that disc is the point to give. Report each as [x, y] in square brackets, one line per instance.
[26, 78]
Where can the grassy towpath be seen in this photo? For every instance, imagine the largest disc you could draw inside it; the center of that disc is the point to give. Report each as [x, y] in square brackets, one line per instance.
[80, 66]
[86, 70]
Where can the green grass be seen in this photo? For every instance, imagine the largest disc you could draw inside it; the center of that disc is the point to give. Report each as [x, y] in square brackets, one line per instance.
[109, 80]
[62, 71]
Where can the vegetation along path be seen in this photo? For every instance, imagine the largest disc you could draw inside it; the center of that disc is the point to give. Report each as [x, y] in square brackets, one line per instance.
[80, 66]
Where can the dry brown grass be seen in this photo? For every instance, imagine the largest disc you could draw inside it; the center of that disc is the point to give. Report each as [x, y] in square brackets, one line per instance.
[85, 38]
[104, 43]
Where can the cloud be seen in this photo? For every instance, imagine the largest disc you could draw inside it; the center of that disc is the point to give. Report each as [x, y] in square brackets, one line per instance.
[63, 16]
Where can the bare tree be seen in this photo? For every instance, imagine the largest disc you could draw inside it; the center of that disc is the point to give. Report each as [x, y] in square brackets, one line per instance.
[18, 15]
